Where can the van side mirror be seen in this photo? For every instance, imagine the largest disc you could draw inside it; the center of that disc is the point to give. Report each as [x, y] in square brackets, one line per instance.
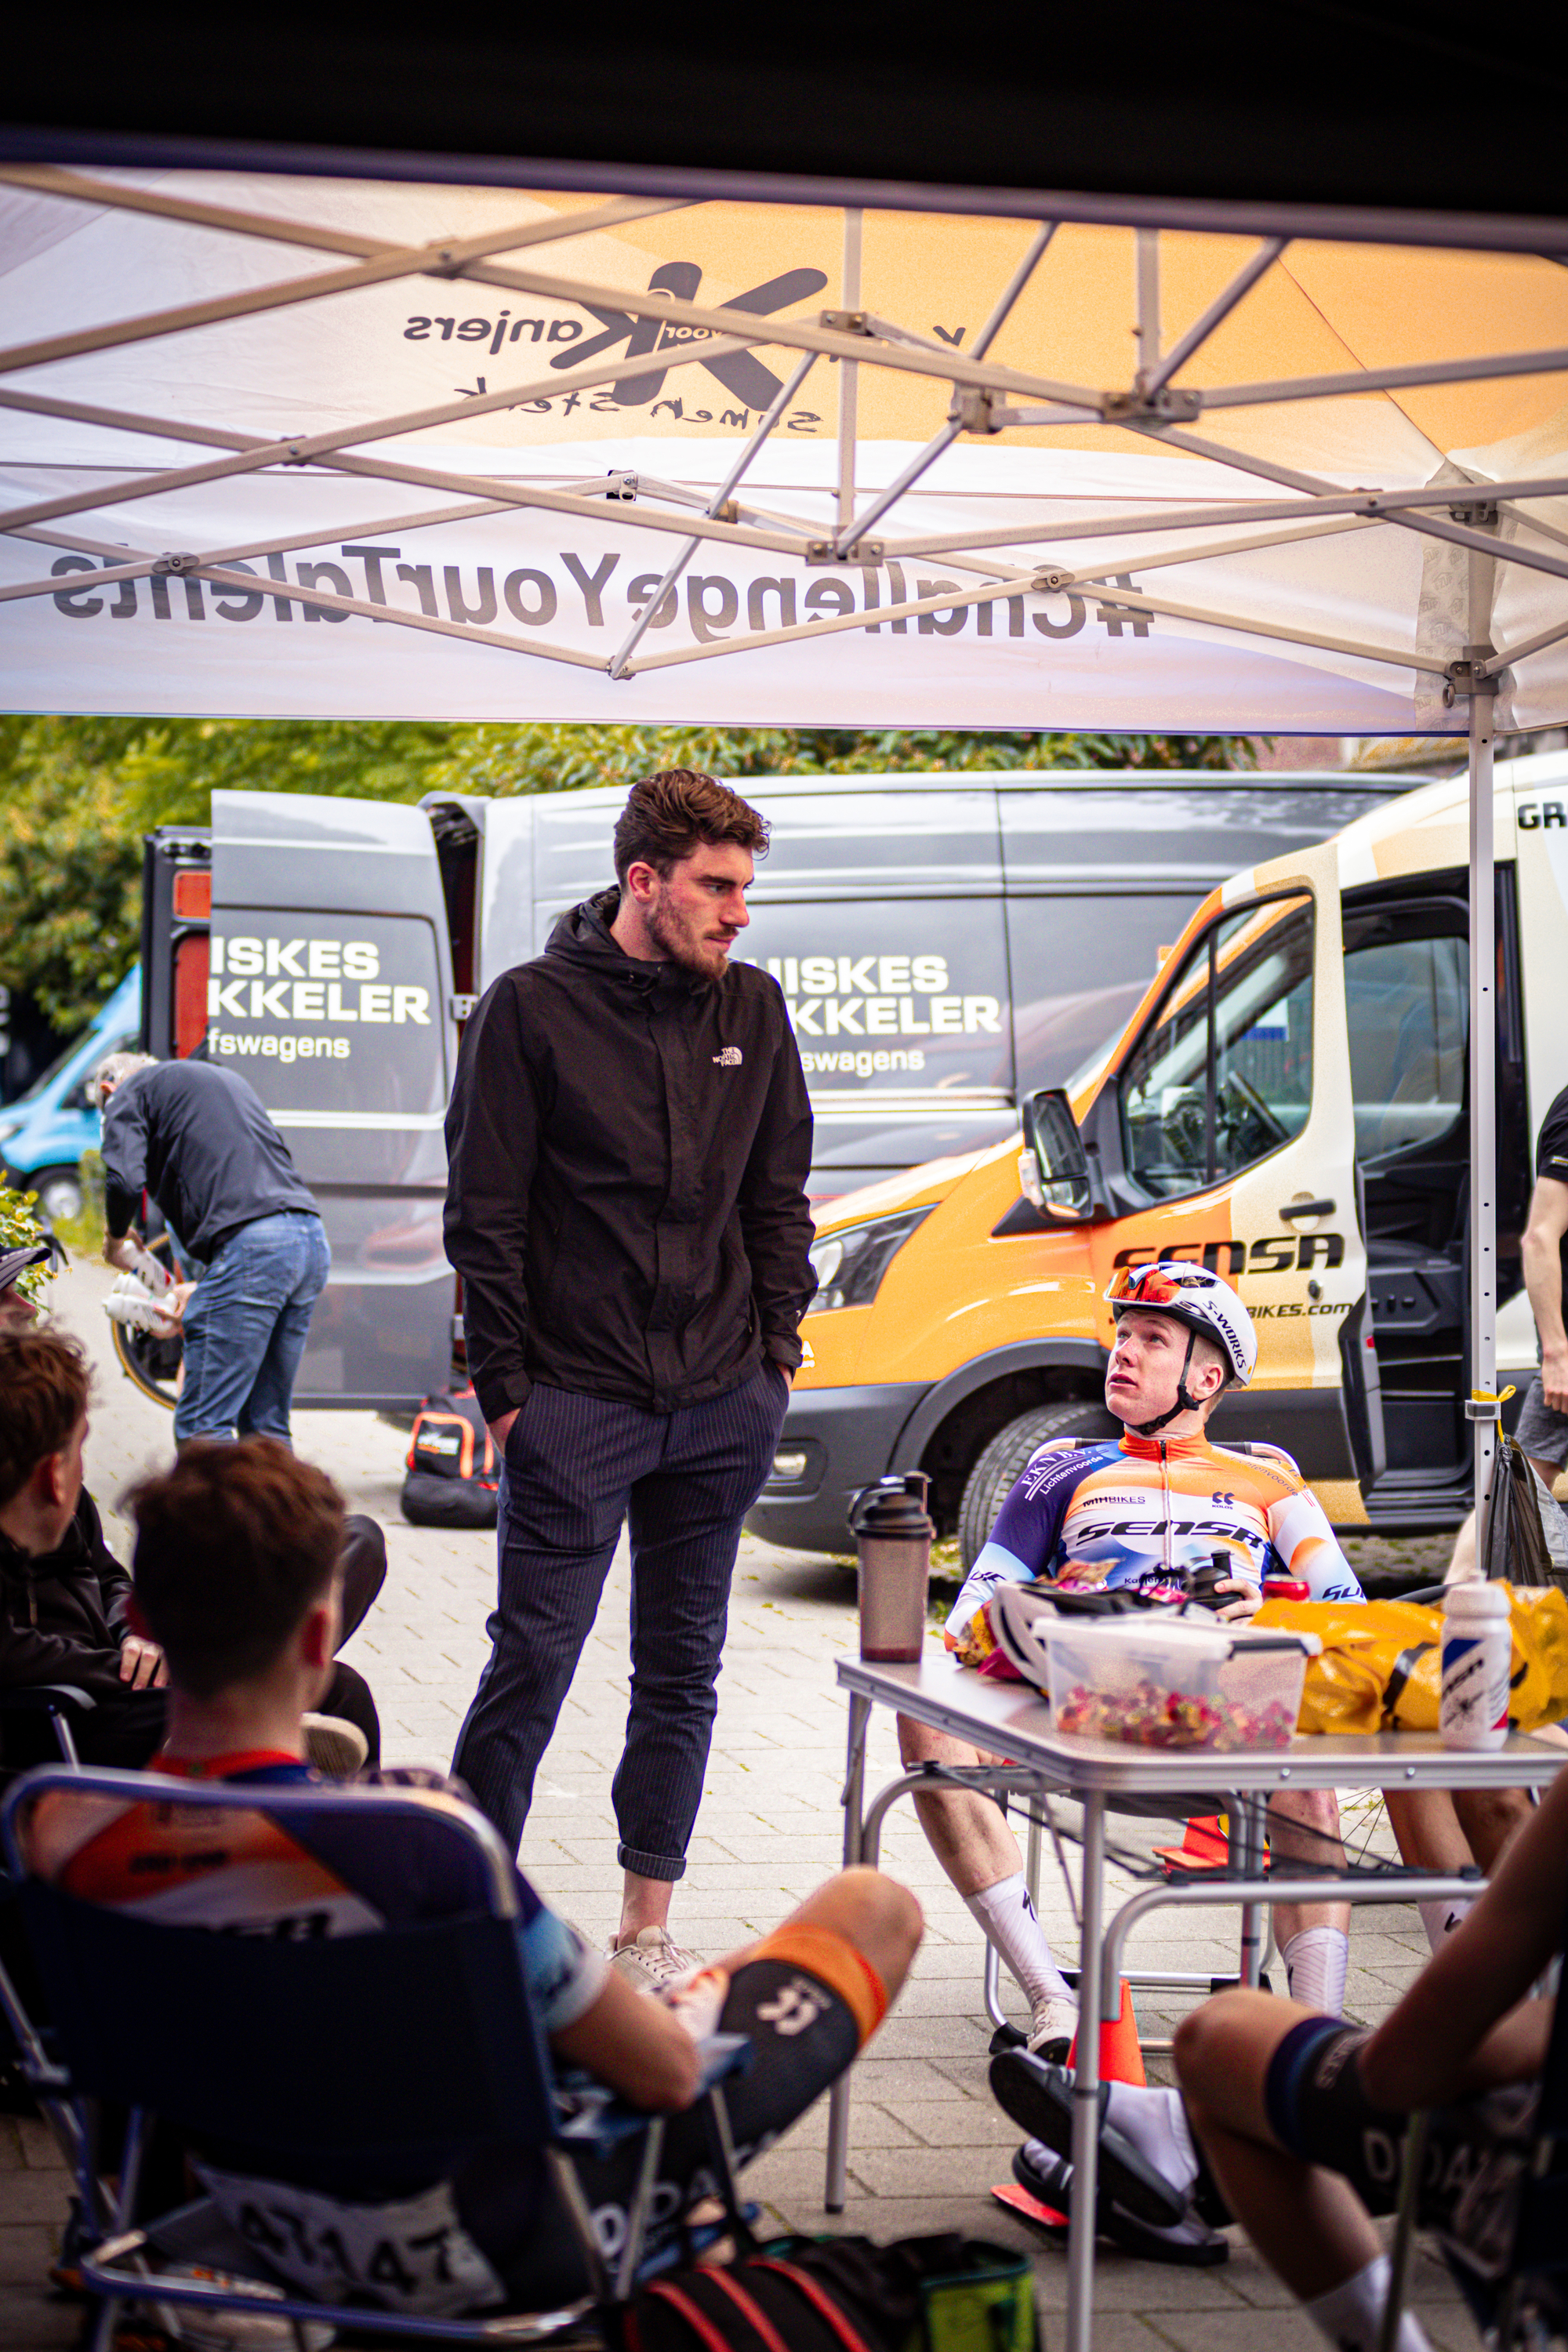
[1054, 1154]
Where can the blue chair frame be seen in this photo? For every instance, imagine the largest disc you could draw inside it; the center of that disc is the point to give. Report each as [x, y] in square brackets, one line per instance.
[293, 2046]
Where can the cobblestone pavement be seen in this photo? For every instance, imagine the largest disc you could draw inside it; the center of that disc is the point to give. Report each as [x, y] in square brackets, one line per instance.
[927, 2142]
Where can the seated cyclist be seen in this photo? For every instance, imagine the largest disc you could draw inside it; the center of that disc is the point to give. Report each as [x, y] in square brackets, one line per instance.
[1294, 2125]
[236, 1576]
[1142, 1513]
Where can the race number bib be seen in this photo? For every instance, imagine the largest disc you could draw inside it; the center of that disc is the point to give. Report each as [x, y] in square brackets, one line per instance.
[411, 2255]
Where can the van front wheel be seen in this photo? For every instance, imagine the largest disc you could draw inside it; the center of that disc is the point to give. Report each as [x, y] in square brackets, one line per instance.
[1001, 1465]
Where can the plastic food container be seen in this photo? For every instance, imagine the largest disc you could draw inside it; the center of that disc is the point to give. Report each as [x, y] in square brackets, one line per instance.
[1167, 1682]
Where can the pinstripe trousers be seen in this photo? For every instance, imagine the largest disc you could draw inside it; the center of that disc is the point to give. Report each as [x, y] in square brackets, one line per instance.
[576, 1468]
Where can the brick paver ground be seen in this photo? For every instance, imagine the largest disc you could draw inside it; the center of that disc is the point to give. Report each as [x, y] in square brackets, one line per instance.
[927, 2141]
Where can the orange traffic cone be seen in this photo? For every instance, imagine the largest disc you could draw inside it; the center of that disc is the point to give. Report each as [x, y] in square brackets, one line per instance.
[1204, 1846]
[1121, 2052]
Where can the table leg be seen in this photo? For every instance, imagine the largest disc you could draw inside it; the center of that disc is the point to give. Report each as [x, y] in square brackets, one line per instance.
[1253, 1917]
[854, 1809]
[1086, 2083]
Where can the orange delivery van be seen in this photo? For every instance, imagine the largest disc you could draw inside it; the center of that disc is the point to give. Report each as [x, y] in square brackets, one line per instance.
[1288, 1105]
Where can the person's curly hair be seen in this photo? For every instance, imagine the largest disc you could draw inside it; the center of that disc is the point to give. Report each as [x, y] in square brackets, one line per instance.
[671, 815]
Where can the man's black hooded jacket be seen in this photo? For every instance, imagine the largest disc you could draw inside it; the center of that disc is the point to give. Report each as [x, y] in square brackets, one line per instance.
[63, 1613]
[628, 1145]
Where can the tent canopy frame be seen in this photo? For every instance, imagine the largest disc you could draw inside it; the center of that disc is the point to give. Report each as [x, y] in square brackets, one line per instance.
[984, 399]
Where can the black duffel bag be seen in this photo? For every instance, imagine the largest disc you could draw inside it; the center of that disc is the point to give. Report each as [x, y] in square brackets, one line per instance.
[454, 1477]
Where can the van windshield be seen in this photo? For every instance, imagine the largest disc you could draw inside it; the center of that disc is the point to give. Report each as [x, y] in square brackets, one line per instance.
[1224, 1076]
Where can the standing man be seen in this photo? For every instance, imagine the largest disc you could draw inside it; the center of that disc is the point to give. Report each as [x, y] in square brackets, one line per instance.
[629, 1140]
[197, 1139]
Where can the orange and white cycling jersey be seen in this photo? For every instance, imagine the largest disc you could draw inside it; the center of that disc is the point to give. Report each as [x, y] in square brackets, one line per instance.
[1143, 1512]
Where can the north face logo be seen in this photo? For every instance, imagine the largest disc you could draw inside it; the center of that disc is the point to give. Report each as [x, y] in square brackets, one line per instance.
[730, 1060]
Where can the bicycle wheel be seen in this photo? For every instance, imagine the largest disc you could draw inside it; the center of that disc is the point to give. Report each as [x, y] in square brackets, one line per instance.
[153, 1364]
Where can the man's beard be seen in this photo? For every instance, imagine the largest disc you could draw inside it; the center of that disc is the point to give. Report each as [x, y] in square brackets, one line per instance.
[700, 956]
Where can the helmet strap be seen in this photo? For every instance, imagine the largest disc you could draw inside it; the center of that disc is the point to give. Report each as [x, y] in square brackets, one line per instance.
[1186, 1400]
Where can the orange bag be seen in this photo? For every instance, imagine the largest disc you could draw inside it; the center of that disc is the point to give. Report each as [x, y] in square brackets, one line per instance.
[1380, 1664]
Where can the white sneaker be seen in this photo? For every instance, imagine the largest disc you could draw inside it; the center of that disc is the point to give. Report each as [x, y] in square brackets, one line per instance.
[653, 1961]
[334, 1746]
[253, 2329]
[1052, 2027]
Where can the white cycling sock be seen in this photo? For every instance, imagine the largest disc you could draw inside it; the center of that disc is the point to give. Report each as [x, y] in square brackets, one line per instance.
[1350, 2316]
[1009, 1920]
[1440, 1919]
[1156, 2121]
[1315, 1965]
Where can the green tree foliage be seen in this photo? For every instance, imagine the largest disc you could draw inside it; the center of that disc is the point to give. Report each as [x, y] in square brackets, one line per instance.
[19, 1229]
[78, 794]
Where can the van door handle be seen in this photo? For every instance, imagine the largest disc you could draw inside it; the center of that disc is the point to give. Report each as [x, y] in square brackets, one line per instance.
[1308, 1209]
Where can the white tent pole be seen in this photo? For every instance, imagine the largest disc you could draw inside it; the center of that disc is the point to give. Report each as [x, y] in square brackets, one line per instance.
[849, 534]
[1483, 1051]
[1480, 369]
[1115, 525]
[716, 505]
[1198, 333]
[848, 373]
[1148, 306]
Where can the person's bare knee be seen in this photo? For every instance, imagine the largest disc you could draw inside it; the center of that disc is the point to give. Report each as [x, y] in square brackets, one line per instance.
[1223, 2051]
[876, 1913]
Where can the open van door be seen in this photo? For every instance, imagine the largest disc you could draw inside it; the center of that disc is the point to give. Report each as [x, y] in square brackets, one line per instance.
[1227, 1135]
[331, 990]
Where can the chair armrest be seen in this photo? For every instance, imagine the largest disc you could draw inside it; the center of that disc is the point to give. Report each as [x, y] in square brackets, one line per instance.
[604, 2119]
[45, 1699]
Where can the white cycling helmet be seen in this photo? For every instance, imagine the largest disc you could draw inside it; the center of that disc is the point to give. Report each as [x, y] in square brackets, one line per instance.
[1209, 1309]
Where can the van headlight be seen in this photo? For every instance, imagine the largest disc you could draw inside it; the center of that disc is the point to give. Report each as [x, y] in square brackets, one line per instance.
[9, 1127]
[849, 1265]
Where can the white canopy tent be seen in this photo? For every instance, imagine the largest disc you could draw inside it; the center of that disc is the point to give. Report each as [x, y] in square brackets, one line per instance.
[538, 457]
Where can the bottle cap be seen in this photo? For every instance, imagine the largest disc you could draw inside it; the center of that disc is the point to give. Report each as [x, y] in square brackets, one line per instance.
[893, 1507]
[1476, 1600]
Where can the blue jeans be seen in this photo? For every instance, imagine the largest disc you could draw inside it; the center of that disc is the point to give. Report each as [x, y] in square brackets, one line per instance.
[246, 1326]
[577, 1468]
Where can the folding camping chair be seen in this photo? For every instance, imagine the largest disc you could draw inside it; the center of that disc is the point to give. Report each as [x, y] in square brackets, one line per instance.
[304, 2047]
[1517, 2303]
[61, 1706]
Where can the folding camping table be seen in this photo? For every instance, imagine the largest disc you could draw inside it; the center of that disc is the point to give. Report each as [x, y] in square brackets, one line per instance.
[1008, 1719]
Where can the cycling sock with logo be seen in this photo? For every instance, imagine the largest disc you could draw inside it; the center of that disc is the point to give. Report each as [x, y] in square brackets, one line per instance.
[1008, 1918]
[1440, 1919]
[1315, 1964]
[1350, 2316]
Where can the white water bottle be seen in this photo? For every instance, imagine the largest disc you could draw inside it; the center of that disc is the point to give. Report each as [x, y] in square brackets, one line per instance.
[1478, 1657]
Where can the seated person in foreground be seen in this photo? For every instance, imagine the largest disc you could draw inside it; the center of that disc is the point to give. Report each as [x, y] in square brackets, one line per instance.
[1294, 2125]
[236, 1575]
[1142, 1513]
[65, 1598]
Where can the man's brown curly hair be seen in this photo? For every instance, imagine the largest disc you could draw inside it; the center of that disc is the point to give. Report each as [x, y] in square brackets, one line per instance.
[672, 814]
